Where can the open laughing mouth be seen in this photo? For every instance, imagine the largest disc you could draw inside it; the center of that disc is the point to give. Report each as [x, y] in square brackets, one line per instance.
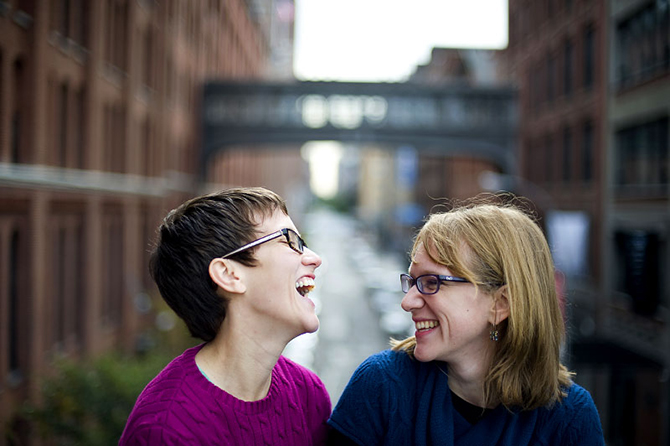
[425, 325]
[304, 286]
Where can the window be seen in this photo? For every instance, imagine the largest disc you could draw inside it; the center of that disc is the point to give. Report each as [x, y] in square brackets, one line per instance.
[16, 138]
[639, 265]
[69, 22]
[533, 172]
[551, 77]
[60, 290]
[67, 237]
[14, 359]
[63, 18]
[568, 6]
[534, 77]
[568, 67]
[117, 33]
[67, 125]
[113, 289]
[642, 156]
[27, 6]
[62, 118]
[13, 322]
[643, 44]
[548, 159]
[115, 137]
[80, 116]
[567, 154]
[3, 153]
[148, 59]
[589, 56]
[150, 167]
[587, 152]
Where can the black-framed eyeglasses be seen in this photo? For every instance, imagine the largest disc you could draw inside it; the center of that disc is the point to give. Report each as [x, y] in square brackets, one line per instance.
[294, 241]
[428, 283]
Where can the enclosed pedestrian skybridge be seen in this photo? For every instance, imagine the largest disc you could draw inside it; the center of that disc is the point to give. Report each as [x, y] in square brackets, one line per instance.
[450, 120]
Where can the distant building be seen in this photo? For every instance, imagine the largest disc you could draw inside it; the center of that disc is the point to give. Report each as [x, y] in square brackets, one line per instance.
[400, 187]
[594, 86]
[461, 65]
[99, 137]
[456, 176]
[637, 226]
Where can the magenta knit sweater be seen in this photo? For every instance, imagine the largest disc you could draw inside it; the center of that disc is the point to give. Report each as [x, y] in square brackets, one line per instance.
[181, 407]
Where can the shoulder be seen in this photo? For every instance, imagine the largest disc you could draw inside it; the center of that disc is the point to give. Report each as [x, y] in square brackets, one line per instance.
[380, 397]
[577, 400]
[385, 373]
[577, 417]
[180, 371]
[303, 380]
[306, 390]
[289, 366]
[292, 371]
[389, 369]
[389, 362]
[172, 393]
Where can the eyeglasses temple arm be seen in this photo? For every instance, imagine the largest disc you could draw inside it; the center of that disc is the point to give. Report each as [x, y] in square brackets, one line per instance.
[255, 243]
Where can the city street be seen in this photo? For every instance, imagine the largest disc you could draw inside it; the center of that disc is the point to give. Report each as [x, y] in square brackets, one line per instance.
[347, 282]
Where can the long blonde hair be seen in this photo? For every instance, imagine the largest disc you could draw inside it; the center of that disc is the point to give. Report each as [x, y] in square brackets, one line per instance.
[504, 246]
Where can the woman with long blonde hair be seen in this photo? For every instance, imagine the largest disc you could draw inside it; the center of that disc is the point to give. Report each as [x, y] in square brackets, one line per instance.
[483, 367]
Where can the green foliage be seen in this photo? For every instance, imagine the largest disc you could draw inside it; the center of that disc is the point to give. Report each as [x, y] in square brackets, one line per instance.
[87, 403]
[340, 203]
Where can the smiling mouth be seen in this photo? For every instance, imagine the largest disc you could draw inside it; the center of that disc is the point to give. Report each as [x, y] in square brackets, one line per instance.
[304, 286]
[426, 325]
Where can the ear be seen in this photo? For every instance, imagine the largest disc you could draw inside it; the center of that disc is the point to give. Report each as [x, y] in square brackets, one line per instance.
[500, 309]
[226, 274]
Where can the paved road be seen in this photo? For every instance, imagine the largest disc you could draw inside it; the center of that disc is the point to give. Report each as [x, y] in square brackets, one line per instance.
[350, 329]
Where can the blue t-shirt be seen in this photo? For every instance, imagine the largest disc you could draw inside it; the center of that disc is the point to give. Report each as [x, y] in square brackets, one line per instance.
[393, 399]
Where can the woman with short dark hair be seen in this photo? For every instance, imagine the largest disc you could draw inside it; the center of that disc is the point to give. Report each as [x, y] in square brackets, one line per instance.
[234, 268]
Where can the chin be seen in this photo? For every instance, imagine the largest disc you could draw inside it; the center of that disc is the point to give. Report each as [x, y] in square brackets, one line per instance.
[423, 355]
[312, 327]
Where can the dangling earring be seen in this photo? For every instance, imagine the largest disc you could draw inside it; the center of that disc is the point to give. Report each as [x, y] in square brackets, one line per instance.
[493, 335]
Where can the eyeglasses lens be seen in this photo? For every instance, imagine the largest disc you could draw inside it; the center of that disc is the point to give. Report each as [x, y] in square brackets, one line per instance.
[428, 284]
[405, 283]
[294, 241]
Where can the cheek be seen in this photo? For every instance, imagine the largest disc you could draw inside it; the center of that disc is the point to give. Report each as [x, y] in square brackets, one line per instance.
[465, 313]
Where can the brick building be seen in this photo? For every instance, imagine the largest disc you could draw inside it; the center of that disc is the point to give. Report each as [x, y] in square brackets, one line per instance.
[99, 104]
[594, 86]
[455, 176]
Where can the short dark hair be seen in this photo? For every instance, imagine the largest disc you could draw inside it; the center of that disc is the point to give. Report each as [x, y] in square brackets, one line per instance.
[194, 233]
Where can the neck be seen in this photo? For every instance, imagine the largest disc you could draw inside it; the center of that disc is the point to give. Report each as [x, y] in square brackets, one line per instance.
[467, 381]
[240, 363]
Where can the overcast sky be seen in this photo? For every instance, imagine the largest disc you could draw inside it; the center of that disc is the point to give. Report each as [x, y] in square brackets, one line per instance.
[384, 40]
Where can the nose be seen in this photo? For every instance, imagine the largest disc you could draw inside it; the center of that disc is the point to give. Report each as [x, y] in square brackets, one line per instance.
[309, 257]
[412, 300]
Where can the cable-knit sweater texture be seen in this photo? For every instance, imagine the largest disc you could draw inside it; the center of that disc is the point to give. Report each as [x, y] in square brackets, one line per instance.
[393, 399]
[181, 407]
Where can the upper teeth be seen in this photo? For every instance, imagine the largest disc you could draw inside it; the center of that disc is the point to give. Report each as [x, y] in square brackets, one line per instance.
[304, 285]
[421, 325]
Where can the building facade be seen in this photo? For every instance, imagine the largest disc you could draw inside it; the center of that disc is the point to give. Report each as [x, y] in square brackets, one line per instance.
[637, 315]
[593, 81]
[458, 176]
[99, 134]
